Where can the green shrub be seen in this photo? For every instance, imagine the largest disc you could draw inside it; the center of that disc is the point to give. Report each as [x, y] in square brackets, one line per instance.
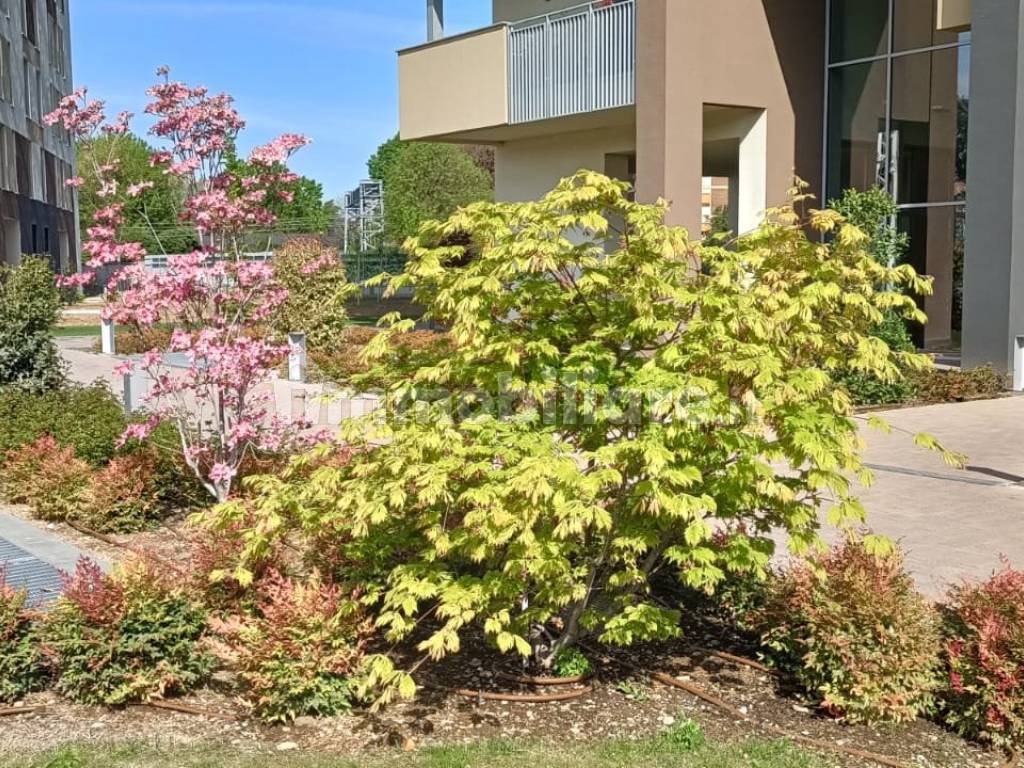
[852, 630]
[869, 389]
[89, 419]
[50, 479]
[120, 498]
[300, 650]
[957, 385]
[985, 650]
[570, 662]
[685, 733]
[128, 637]
[29, 307]
[21, 663]
[516, 509]
[873, 211]
[132, 341]
[318, 290]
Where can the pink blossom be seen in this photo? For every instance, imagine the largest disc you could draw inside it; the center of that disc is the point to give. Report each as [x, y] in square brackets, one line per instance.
[278, 150]
[74, 181]
[221, 473]
[134, 190]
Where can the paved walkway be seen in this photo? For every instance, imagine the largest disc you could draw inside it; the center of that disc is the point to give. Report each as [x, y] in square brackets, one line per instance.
[32, 559]
[952, 523]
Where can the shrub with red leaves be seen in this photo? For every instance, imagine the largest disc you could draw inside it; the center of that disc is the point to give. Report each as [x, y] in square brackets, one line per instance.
[121, 497]
[299, 651]
[127, 637]
[21, 664]
[48, 477]
[851, 628]
[985, 650]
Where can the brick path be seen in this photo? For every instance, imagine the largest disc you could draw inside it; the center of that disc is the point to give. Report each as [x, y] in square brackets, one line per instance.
[951, 523]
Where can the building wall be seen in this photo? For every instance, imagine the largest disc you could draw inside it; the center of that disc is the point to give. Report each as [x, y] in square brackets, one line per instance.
[527, 169]
[757, 54]
[515, 10]
[37, 209]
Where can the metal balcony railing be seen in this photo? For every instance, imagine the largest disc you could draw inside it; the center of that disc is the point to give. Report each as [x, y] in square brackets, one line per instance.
[579, 60]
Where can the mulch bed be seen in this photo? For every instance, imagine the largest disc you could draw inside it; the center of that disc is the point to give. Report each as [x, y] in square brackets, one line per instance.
[623, 702]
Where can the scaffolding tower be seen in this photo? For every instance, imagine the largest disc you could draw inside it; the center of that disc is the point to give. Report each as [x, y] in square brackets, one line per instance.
[363, 217]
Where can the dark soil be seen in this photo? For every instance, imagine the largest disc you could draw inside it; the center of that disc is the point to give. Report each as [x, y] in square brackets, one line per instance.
[625, 703]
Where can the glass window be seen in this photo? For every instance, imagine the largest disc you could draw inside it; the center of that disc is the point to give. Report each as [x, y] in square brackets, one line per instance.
[858, 29]
[914, 26]
[936, 248]
[856, 126]
[929, 125]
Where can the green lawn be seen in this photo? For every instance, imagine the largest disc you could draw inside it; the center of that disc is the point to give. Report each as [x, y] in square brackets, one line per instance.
[663, 752]
[63, 331]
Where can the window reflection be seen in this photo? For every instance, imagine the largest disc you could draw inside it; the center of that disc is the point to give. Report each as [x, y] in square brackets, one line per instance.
[856, 124]
[914, 26]
[858, 29]
[929, 126]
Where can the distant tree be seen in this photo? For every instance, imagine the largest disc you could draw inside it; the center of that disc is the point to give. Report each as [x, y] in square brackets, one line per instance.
[151, 215]
[424, 181]
[482, 154]
[299, 205]
[385, 158]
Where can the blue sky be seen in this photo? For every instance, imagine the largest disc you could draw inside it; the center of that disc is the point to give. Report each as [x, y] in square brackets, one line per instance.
[324, 68]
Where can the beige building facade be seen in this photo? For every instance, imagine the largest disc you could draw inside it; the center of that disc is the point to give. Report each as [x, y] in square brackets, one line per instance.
[680, 97]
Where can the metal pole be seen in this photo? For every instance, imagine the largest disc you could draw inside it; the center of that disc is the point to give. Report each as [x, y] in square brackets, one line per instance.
[435, 20]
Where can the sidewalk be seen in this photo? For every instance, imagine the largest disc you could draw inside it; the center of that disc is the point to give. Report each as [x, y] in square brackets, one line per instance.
[32, 559]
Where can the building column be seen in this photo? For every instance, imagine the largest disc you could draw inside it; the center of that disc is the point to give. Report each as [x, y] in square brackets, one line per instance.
[993, 300]
[669, 120]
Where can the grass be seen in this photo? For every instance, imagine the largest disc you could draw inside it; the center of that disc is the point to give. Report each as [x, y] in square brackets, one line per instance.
[661, 752]
[66, 331]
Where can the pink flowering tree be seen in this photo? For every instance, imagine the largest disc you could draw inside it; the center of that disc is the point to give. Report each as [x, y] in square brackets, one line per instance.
[218, 301]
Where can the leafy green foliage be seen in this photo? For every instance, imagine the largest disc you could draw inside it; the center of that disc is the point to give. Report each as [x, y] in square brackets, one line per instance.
[600, 410]
[29, 306]
[424, 181]
[300, 649]
[88, 419]
[570, 662]
[151, 217]
[49, 478]
[317, 288]
[867, 389]
[21, 664]
[874, 211]
[128, 637]
[852, 629]
[985, 651]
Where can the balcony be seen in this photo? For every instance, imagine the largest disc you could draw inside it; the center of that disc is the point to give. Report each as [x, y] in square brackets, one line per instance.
[577, 66]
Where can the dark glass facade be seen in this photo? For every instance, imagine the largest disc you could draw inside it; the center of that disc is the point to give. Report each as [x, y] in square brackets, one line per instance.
[898, 94]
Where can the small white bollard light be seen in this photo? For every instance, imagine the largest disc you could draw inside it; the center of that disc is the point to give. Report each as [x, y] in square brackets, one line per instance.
[107, 336]
[136, 387]
[297, 357]
[1018, 364]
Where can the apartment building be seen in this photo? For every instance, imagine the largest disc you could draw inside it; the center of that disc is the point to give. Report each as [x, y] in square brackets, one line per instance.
[38, 211]
[671, 94]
